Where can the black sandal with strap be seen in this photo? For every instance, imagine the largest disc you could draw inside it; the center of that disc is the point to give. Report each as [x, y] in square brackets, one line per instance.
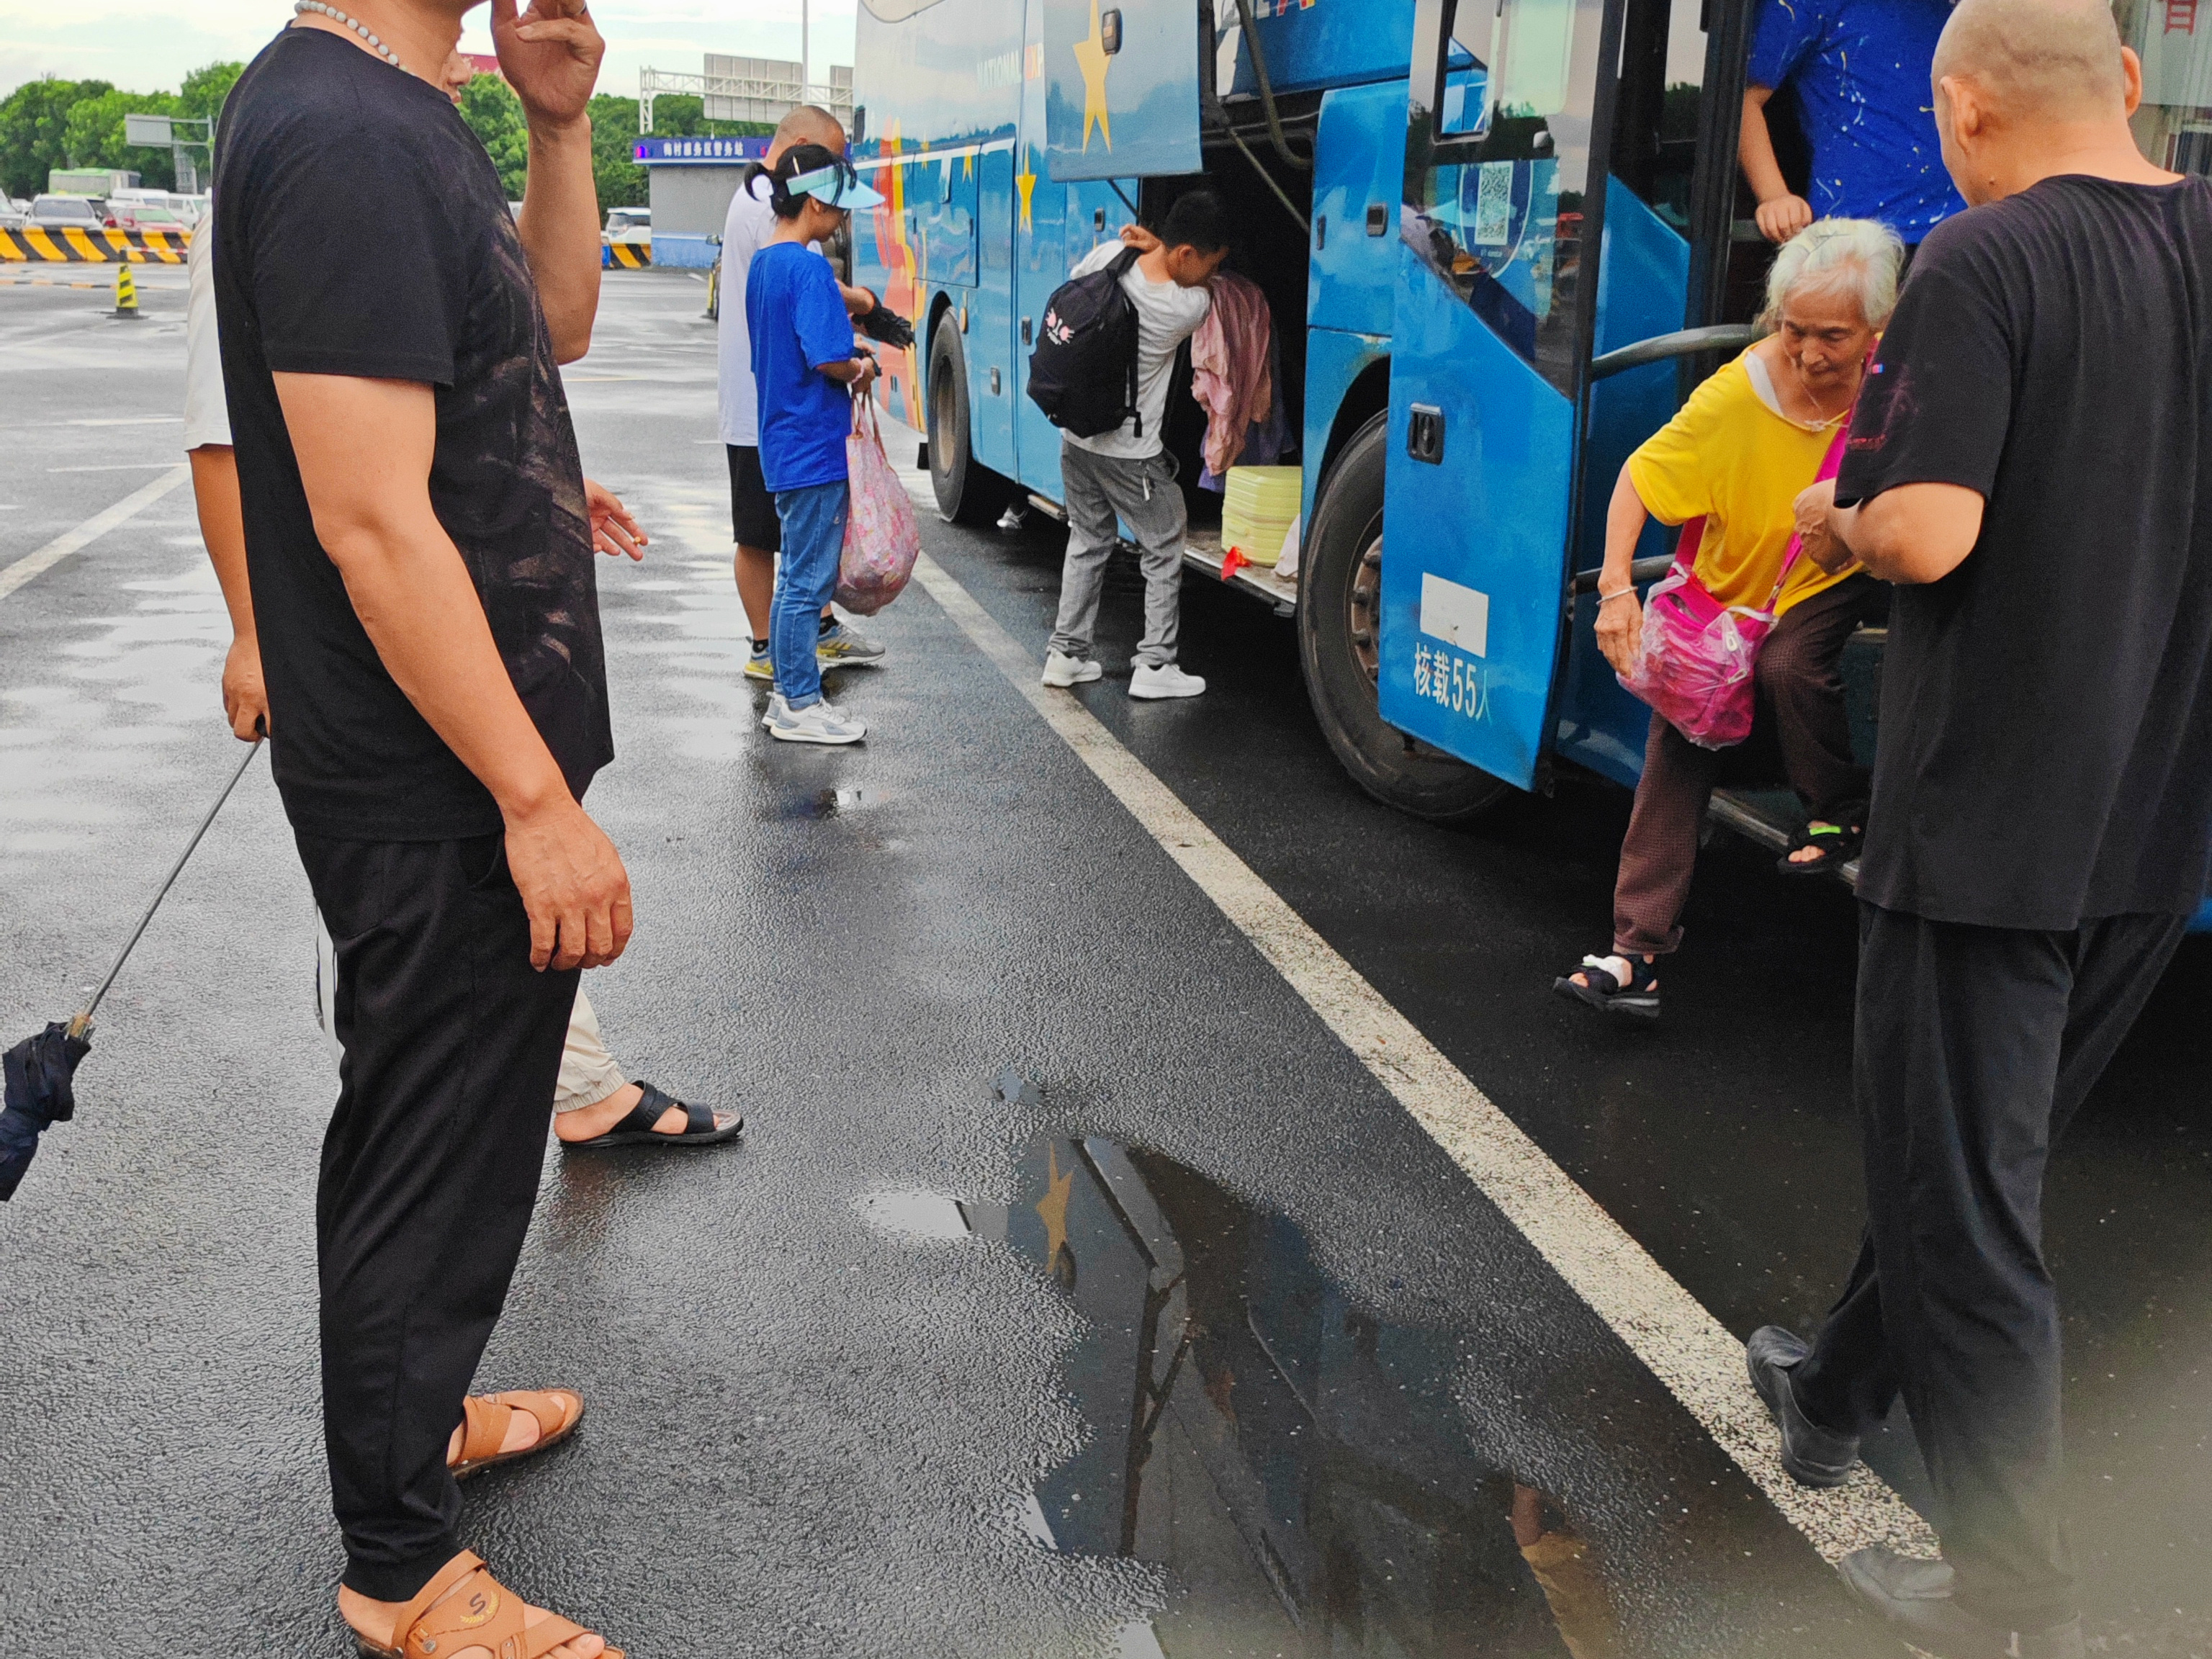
[636, 1129]
[1637, 996]
[1838, 844]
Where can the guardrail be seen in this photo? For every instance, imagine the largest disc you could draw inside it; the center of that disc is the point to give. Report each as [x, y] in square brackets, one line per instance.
[63, 243]
[631, 256]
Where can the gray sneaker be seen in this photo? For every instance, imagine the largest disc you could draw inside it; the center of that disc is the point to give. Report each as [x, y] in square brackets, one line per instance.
[1814, 1456]
[845, 646]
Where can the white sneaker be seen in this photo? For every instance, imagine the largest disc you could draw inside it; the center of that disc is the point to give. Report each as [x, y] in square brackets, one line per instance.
[819, 722]
[1165, 681]
[1069, 670]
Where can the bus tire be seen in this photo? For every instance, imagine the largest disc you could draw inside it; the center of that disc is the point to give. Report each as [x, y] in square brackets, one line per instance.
[967, 493]
[1339, 586]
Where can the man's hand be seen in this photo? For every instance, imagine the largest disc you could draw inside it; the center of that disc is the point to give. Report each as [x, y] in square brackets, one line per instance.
[573, 886]
[1816, 530]
[1621, 630]
[613, 530]
[550, 56]
[1139, 239]
[1781, 217]
[245, 700]
[866, 377]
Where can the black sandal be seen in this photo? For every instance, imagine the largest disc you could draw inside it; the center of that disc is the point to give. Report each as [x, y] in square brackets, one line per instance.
[1637, 996]
[700, 1128]
[1838, 844]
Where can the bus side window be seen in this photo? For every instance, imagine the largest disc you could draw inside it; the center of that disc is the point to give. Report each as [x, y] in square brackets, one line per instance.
[1656, 131]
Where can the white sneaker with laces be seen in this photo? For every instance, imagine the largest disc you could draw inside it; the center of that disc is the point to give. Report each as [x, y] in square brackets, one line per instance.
[1164, 681]
[1064, 671]
[819, 722]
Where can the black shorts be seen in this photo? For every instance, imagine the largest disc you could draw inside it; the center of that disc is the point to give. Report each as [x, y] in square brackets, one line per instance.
[753, 508]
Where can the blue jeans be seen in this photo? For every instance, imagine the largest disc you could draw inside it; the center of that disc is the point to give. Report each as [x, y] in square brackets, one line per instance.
[814, 535]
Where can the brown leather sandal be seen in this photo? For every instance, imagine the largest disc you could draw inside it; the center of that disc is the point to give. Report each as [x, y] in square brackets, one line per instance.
[484, 1418]
[463, 1606]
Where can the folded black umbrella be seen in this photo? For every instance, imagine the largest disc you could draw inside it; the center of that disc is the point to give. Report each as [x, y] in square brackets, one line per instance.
[40, 1070]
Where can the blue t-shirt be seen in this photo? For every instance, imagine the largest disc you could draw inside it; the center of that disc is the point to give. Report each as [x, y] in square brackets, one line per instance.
[1860, 70]
[797, 321]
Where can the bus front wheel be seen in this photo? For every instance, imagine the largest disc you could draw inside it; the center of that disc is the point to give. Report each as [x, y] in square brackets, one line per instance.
[966, 492]
[1339, 640]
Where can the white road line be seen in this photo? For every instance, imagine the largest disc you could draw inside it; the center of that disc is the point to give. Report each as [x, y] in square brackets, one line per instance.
[1662, 1324]
[35, 564]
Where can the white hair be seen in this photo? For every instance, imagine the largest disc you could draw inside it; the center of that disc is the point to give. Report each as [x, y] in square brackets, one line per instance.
[1858, 257]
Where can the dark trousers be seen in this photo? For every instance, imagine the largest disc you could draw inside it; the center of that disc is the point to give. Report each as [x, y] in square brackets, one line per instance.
[1801, 710]
[429, 1171]
[1975, 1046]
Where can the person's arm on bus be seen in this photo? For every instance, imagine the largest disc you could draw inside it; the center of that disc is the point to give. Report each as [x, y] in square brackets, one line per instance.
[550, 56]
[223, 527]
[1909, 533]
[1619, 610]
[364, 449]
[1782, 213]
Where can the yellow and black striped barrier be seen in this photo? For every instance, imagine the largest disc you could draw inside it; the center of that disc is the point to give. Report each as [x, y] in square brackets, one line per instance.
[64, 243]
[631, 256]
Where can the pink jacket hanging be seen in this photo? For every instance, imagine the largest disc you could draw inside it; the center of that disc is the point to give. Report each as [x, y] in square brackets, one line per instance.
[1228, 365]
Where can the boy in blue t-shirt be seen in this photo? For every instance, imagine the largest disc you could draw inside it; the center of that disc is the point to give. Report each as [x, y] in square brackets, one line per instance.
[1861, 73]
[807, 370]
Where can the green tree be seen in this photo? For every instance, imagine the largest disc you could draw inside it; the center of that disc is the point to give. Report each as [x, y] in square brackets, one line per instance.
[205, 88]
[621, 181]
[494, 114]
[33, 119]
[92, 135]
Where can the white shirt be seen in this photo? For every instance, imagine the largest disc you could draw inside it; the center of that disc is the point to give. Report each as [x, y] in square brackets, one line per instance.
[1168, 313]
[749, 228]
[207, 416]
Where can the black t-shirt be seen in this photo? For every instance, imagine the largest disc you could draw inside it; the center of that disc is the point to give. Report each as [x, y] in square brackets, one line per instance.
[360, 230]
[2046, 708]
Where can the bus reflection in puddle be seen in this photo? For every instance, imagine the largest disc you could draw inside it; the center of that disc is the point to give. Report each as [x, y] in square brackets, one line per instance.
[1298, 1465]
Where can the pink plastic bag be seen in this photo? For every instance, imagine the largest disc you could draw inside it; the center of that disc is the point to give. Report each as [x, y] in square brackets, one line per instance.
[883, 538]
[1697, 655]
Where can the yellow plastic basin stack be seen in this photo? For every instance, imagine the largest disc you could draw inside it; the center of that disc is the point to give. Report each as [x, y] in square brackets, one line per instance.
[1257, 512]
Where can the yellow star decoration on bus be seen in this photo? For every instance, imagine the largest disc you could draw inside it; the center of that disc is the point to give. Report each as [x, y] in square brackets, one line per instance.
[967, 165]
[1091, 57]
[1052, 1208]
[1026, 182]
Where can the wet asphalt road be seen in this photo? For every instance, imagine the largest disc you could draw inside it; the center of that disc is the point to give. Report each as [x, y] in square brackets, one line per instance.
[1073, 1291]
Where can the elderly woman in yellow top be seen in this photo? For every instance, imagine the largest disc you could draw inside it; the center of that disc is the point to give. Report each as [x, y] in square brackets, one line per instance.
[1746, 442]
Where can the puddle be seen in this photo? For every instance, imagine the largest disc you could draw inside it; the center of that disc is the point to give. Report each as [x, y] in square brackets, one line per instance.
[1296, 1464]
[911, 1212]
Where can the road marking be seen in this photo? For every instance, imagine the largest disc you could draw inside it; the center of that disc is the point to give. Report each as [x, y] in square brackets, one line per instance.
[115, 466]
[35, 564]
[131, 420]
[1675, 1337]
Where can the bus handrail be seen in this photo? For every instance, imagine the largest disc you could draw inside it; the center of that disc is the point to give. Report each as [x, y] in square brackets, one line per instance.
[1684, 342]
[1642, 571]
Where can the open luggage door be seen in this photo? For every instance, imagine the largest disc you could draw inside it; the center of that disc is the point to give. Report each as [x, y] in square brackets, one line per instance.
[1121, 88]
[1499, 229]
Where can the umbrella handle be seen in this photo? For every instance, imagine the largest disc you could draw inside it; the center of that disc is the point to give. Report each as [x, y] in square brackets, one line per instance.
[80, 1024]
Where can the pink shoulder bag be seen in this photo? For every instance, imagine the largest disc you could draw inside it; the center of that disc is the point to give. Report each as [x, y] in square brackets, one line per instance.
[1695, 665]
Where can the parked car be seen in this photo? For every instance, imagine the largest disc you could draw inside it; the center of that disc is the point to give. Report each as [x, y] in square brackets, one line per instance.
[14, 214]
[628, 224]
[54, 212]
[140, 215]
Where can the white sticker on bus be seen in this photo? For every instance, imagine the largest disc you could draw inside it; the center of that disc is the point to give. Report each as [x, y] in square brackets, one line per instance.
[1458, 615]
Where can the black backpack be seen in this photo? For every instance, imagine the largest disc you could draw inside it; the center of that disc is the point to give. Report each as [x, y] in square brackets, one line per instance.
[1083, 373]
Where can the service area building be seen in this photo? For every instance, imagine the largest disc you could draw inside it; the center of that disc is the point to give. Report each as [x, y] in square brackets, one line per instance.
[692, 181]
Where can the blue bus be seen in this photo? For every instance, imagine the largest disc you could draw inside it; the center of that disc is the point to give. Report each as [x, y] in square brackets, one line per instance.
[1500, 242]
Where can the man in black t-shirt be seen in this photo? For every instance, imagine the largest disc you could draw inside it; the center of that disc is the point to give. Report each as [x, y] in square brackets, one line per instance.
[420, 561]
[2031, 462]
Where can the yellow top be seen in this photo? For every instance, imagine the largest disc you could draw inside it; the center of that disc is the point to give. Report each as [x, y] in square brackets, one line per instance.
[1727, 456]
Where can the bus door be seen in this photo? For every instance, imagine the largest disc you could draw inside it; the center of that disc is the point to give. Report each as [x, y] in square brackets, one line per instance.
[1499, 230]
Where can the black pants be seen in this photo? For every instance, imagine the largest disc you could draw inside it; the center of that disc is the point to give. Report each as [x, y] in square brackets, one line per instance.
[1975, 1046]
[429, 1171]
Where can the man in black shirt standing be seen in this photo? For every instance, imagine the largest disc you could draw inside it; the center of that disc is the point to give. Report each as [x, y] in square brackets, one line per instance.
[2031, 463]
[421, 562]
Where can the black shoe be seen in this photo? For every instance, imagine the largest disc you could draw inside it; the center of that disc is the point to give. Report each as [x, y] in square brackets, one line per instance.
[1814, 1455]
[1916, 1597]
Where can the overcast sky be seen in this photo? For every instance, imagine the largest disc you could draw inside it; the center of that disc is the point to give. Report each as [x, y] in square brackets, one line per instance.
[147, 48]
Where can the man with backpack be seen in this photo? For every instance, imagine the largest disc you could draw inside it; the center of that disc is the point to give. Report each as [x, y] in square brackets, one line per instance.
[1103, 364]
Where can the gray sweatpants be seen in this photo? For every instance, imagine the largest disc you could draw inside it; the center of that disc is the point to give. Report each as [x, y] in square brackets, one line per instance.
[1100, 489]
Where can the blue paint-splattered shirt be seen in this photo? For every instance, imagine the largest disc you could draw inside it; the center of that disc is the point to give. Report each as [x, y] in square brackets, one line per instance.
[1860, 71]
